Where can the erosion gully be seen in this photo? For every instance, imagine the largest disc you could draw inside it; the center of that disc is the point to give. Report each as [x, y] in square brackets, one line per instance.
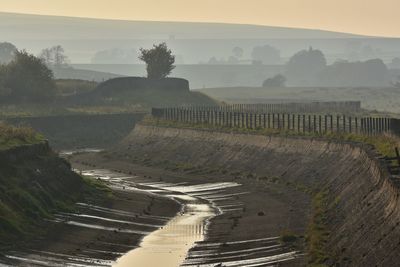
[177, 241]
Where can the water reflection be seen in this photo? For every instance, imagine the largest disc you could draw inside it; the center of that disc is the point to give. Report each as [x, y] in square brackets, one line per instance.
[169, 245]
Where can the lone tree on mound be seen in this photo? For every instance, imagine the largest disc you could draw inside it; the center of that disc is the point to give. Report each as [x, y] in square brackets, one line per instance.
[159, 61]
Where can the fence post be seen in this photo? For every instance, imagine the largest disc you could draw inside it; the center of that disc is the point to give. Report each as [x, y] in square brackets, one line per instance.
[273, 120]
[269, 121]
[298, 123]
[350, 126]
[319, 124]
[337, 124]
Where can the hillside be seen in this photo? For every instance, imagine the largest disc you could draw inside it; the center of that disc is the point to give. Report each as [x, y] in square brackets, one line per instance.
[83, 38]
[34, 27]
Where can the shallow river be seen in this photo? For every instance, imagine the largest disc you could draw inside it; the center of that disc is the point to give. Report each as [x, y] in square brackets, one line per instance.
[169, 245]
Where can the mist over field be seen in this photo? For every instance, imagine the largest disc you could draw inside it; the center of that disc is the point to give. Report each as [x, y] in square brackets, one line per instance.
[156, 143]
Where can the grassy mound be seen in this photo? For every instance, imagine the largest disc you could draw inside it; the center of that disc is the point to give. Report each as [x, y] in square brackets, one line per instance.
[142, 92]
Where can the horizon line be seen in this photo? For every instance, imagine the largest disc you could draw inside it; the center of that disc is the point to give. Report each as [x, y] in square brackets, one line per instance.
[357, 35]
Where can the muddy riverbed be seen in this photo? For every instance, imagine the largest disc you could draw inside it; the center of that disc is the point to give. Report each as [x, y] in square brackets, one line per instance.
[163, 218]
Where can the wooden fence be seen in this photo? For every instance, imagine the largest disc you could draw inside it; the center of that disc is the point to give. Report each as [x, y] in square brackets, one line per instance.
[333, 107]
[300, 123]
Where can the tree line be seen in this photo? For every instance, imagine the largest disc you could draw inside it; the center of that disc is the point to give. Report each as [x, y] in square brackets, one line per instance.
[25, 77]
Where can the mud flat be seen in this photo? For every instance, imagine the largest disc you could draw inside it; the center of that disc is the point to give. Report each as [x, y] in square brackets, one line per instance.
[362, 199]
[96, 233]
[250, 219]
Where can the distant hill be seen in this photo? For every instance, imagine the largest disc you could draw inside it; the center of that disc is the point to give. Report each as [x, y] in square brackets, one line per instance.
[83, 74]
[192, 43]
[36, 27]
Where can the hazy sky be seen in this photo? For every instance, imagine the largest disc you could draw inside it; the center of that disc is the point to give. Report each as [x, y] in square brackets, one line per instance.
[370, 17]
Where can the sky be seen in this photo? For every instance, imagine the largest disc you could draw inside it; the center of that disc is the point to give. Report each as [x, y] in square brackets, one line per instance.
[367, 17]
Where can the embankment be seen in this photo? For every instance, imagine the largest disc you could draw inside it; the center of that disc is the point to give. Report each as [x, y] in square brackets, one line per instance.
[363, 208]
[34, 183]
[77, 131]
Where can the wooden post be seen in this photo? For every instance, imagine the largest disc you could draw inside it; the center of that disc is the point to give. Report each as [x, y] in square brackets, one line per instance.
[265, 121]
[337, 124]
[315, 124]
[350, 126]
[356, 124]
[319, 124]
[269, 121]
[293, 121]
[298, 123]
[273, 120]
[344, 123]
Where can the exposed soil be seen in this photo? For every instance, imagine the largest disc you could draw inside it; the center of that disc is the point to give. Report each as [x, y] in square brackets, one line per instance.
[135, 213]
[259, 208]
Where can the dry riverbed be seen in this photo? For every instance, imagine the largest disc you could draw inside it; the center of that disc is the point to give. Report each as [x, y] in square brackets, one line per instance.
[185, 219]
[252, 216]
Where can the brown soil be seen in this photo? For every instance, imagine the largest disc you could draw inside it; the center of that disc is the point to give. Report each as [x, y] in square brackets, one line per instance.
[97, 244]
[269, 208]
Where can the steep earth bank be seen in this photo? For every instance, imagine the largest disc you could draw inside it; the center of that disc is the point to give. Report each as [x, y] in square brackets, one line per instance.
[363, 201]
[50, 215]
[76, 131]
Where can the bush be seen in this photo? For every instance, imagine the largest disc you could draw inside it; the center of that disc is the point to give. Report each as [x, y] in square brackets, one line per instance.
[27, 79]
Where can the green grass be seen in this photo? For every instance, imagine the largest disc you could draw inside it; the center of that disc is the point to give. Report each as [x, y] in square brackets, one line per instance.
[317, 232]
[288, 237]
[74, 86]
[11, 136]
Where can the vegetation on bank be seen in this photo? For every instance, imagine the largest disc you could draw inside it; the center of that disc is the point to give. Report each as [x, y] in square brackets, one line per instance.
[384, 144]
[317, 232]
[12, 136]
[35, 187]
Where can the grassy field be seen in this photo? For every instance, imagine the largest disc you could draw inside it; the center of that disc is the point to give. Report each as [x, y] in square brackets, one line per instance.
[374, 99]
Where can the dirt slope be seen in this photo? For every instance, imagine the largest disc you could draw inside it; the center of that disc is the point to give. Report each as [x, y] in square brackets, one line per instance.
[364, 214]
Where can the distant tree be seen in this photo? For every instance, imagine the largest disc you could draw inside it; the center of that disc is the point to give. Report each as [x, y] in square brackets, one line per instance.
[28, 79]
[7, 51]
[237, 52]
[159, 61]
[213, 61]
[266, 54]
[372, 72]
[232, 60]
[303, 68]
[277, 81]
[54, 56]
